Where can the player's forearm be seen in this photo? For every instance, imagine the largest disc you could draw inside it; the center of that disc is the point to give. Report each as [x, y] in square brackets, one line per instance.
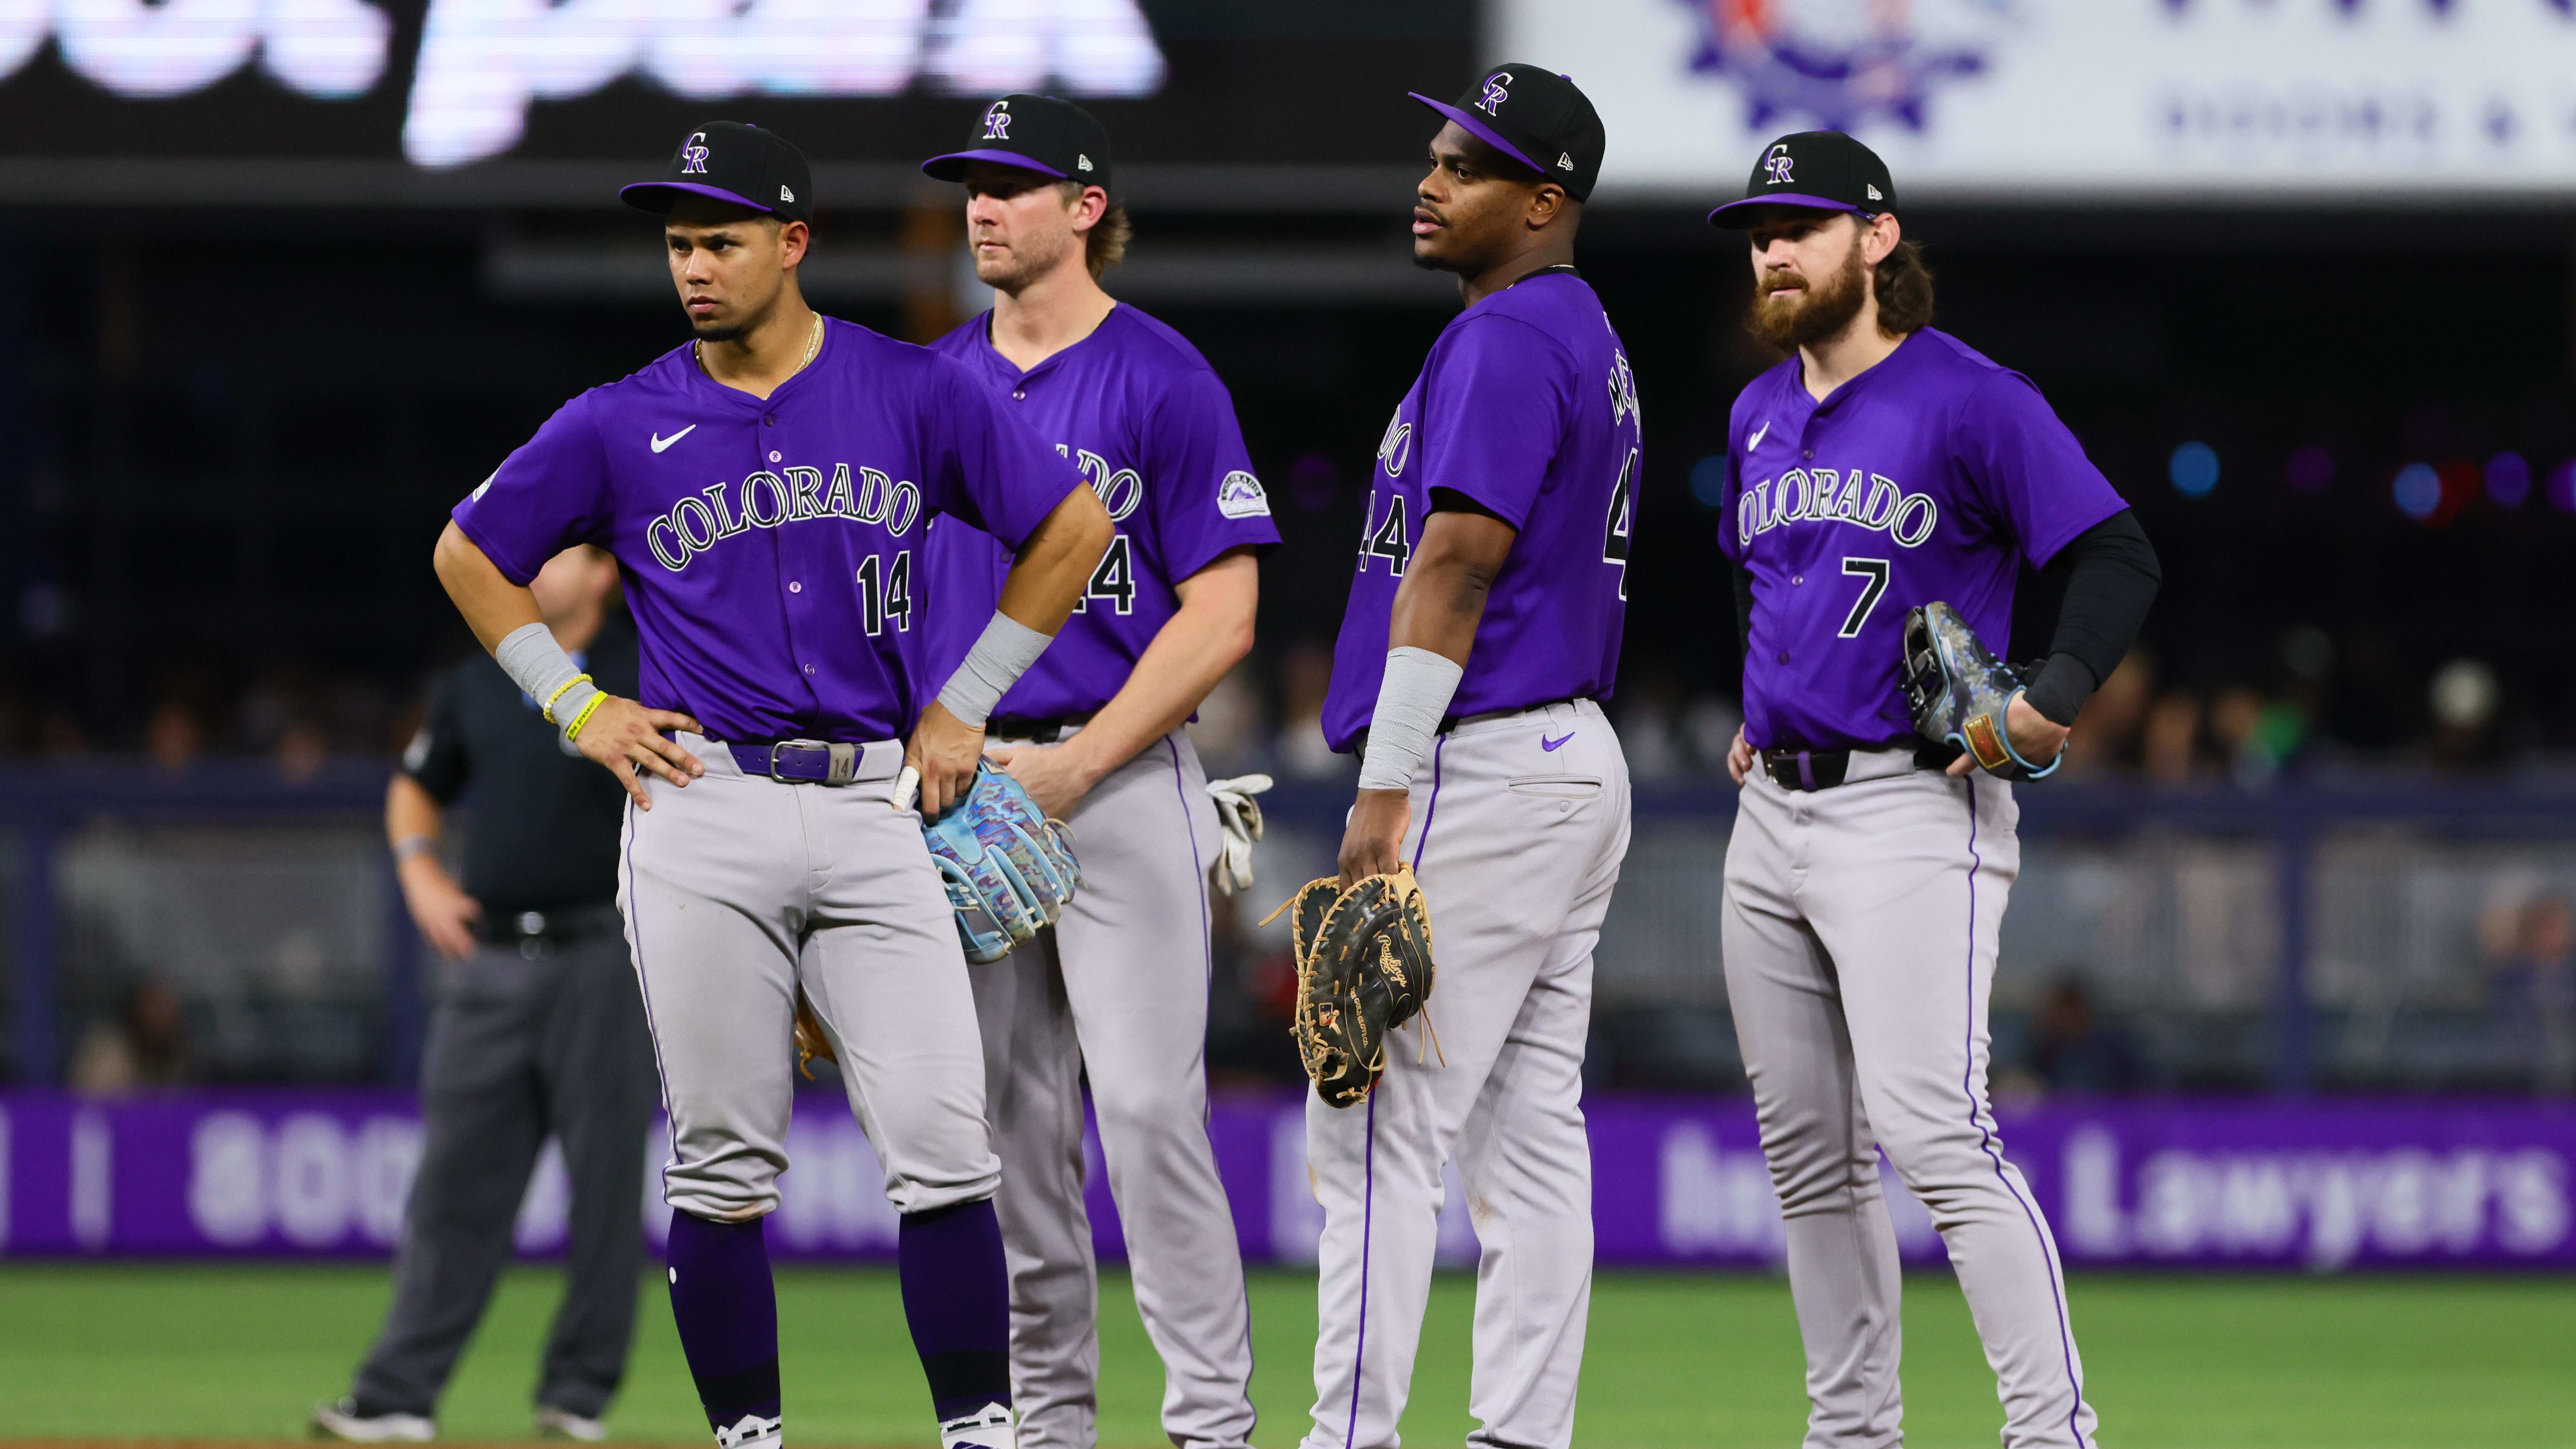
[1038, 595]
[1430, 632]
[2112, 578]
[493, 607]
[1192, 651]
[1048, 576]
[1442, 599]
[411, 814]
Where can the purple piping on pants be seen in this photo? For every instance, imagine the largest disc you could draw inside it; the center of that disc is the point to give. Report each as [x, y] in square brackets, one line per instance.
[635, 940]
[1368, 1202]
[1430, 807]
[1986, 1138]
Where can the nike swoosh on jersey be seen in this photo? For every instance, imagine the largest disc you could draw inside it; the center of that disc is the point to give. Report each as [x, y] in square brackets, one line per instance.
[1750, 443]
[1550, 745]
[660, 442]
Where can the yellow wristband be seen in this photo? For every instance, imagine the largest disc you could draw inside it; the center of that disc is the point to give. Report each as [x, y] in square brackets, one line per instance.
[573, 731]
[548, 709]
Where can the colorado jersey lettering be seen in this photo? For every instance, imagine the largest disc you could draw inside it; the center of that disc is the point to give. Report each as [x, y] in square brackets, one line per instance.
[1892, 492]
[1145, 421]
[1527, 407]
[743, 545]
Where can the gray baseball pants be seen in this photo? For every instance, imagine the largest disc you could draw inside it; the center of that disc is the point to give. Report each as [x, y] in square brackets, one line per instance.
[737, 889]
[1120, 983]
[522, 1049]
[1860, 934]
[1519, 825]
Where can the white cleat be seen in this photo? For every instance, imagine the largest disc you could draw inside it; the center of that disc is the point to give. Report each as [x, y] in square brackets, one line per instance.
[565, 1424]
[989, 1427]
[751, 1432]
[340, 1419]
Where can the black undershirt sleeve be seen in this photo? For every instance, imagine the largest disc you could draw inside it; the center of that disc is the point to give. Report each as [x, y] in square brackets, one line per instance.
[2112, 578]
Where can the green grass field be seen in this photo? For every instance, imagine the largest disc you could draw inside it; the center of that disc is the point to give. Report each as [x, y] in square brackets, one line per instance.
[237, 1354]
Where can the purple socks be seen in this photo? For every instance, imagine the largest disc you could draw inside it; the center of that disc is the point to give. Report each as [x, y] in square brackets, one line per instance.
[957, 1297]
[727, 1312]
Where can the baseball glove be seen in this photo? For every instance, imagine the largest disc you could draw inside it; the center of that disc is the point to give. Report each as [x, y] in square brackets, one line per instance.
[812, 1044]
[1008, 868]
[1363, 970]
[1958, 692]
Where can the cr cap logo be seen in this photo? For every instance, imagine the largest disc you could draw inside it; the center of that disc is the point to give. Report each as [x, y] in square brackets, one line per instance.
[1777, 163]
[693, 154]
[1496, 92]
[997, 121]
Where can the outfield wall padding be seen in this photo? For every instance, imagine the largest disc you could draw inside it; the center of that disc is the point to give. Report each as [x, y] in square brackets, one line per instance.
[2318, 1186]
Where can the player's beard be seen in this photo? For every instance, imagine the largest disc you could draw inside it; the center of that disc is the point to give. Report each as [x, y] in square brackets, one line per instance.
[1827, 308]
[1024, 264]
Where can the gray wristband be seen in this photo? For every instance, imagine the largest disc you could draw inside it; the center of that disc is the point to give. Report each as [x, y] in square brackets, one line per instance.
[1411, 701]
[1001, 655]
[539, 665]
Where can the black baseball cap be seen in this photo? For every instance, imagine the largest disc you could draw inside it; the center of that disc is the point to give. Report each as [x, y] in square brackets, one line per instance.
[1826, 170]
[1035, 133]
[1537, 118]
[734, 162]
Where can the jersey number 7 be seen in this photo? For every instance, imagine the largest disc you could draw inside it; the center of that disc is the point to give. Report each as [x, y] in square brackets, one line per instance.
[1875, 571]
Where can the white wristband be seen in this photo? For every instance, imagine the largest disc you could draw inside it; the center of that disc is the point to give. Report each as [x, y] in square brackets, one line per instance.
[1411, 701]
[539, 666]
[1001, 655]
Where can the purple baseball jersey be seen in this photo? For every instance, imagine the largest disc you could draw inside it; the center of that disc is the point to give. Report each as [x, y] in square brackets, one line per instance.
[1144, 417]
[768, 546]
[1929, 477]
[1527, 408]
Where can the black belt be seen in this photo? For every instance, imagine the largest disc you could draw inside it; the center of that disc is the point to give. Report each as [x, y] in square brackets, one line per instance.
[1449, 723]
[536, 933]
[1044, 731]
[799, 762]
[1824, 769]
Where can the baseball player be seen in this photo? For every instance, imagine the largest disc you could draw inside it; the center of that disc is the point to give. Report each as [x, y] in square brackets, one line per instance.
[1883, 466]
[1482, 628]
[764, 490]
[1094, 731]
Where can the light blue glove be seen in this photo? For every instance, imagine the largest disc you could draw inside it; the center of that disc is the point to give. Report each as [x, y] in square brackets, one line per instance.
[1009, 870]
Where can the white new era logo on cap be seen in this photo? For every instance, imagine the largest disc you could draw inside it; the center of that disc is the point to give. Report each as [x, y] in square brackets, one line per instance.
[1564, 162]
[1081, 161]
[1873, 194]
[786, 195]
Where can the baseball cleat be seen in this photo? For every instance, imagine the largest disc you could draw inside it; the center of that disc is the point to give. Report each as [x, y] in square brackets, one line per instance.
[751, 1432]
[339, 1419]
[989, 1427]
[555, 1423]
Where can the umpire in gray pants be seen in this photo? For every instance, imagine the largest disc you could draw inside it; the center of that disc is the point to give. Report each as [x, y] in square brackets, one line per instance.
[539, 1031]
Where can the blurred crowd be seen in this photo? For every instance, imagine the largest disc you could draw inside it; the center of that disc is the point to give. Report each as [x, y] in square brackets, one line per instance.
[2326, 711]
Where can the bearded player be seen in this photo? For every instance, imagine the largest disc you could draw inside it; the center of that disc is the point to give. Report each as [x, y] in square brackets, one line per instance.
[1095, 733]
[1884, 466]
[763, 490]
[1483, 626]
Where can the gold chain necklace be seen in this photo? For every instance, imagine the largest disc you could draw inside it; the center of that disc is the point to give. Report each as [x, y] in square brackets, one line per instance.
[813, 348]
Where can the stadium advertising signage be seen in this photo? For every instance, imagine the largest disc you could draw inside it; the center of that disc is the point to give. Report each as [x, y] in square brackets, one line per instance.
[2260, 100]
[436, 86]
[2188, 1184]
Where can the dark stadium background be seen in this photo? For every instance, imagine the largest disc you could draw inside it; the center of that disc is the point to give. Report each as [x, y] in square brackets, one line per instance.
[249, 357]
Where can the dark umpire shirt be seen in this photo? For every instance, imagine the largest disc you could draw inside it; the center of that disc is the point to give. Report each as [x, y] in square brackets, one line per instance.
[545, 823]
